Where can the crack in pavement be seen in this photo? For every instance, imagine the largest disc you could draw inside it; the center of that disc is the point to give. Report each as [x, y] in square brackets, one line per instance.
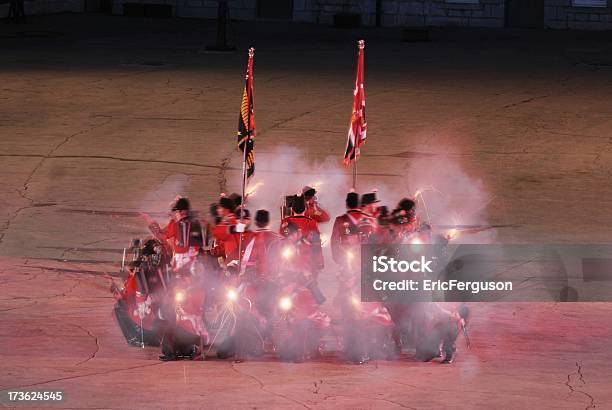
[19, 307]
[328, 396]
[109, 157]
[43, 158]
[84, 250]
[69, 271]
[58, 146]
[573, 389]
[62, 258]
[284, 121]
[94, 337]
[262, 387]
[82, 376]
[14, 214]
[528, 100]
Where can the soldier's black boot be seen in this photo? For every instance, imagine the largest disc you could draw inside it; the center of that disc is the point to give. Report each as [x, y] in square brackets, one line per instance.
[450, 352]
[167, 357]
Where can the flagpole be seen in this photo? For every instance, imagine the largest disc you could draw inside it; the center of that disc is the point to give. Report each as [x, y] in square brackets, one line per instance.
[244, 160]
[355, 174]
[242, 205]
[360, 47]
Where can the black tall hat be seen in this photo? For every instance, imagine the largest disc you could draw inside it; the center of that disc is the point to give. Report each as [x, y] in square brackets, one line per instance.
[227, 203]
[149, 247]
[369, 198]
[406, 204]
[308, 192]
[298, 205]
[181, 204]
[352, 200]
[236, 198]
[383, 212]
[262, 217]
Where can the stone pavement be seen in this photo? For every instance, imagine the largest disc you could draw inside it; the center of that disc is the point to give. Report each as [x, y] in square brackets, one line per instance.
[103, 117]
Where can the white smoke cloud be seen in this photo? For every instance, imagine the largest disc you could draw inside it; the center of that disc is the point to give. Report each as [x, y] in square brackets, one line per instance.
[286, 171]
[161, 198]
[450, 197]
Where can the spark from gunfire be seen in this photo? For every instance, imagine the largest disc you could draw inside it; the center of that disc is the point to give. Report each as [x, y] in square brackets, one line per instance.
[316, 185]
[287, 253]
[429, 188]
[252, 190]
[419, 194]
[349, 255]
[285, 303]
[232, 295]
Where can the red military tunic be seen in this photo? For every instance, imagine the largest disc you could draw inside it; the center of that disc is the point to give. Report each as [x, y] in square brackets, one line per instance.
[231, 245]
[317, 213]
[369, 230]
[310, 237]
[345, 234]
[184, 237]
[403, 232]
[222, 232]
[266, 244]
[294, 257]
[180, 235]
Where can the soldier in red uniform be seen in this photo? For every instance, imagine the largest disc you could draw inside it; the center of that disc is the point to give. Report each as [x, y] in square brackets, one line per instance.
[368, 224]
[266, 245]
[345, 233]
[183, 234]
[313, 209]
[386, 233]
[225, 225]
[309, 233]
[345, 247]
[404, 220]
[265, 255]
[296, 260]
[233, 245]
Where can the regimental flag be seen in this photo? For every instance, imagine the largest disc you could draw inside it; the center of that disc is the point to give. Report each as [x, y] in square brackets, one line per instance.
[358, 127]
[246, 121]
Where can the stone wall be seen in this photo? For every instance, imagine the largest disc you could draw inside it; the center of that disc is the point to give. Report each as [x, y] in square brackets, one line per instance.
[406, 13]
[558, 14]
[46, 7]
[561, 14]
[239, 9]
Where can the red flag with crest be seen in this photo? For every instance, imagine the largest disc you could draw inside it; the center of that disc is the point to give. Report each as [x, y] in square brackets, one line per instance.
[246, 120]
[358, 126]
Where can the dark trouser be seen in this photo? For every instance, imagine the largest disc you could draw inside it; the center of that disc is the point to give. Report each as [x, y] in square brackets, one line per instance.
[132, 331]
[16, 11]
[176, 341]
[428, 345]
